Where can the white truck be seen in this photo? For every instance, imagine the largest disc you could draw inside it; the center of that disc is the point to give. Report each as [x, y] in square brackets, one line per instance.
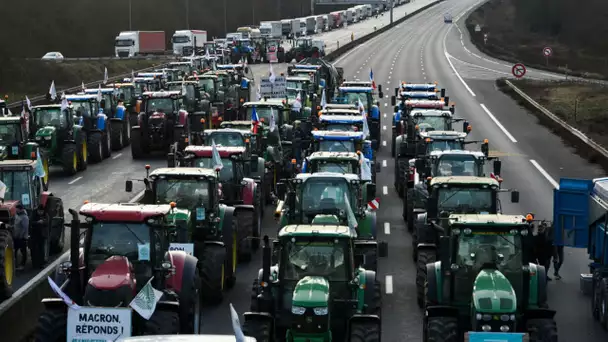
[295, 28]
[320, 23]
[234, 36]
[330, 22]
[350, 16]
[286, 27]
[271, 29]
[136, 43]
[311, 25]
[187, 41]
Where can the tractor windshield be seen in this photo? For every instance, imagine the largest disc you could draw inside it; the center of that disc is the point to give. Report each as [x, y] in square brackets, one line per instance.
[82, 108]
[465, 200]
[353, 98]
[227, 139]
[164, 105]
[226, 174]
[321, 195]
[445, 145]
[351, 127]
[126, 91]
[17, 186]
[264, 113]
[185, 192]
[337, 146]
[119, 239]
[207, 84]
[434, 123]
[316, 258]
[335, 166]
[296, 85]
[292, 94]
[50, 117]
[457, 165]
[10, 133]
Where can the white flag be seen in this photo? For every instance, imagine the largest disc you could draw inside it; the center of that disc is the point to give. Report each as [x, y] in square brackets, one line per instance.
[132, 75]
[323, 100]
[366, 170]
[364, 115]
[297, 105]
[272, 77]
[273, 123]
[145, 301]
[53, 91]
[352, 220]
[68, 301]
[236, 325]
[83, 87]
[258, 93]
[29, 103]
[105, 76]
[215, 155]
[207, 55]
[64, 103]
[99, 96]
[2, 190]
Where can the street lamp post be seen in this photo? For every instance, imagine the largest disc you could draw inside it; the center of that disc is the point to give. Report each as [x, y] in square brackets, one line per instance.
[130, 17]
[225, 17]
[188, 14]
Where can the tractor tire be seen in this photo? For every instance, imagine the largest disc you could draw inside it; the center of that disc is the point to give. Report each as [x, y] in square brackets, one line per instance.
[212, 263]
[107, 144]
[117, 136]
[190, 307]
[409, 205]
[162, 322]
[69, 159]
[424, 257]
[257, 225]
[40, 248]
[377, 303]
[7, 264]
[401, 178]
[137, 151]
[542, 330]
[393, 147]
[82, 150]
[52, 326]
[247, 221]
[253, 306]
[441, 329]
[96, 147]
[603, 303]
[260, 330]
[126, 132]
[364, 332]
[596, 296]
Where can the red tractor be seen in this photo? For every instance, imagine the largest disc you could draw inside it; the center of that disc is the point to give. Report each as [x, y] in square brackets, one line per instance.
[162, 123]
[112, 260]
[237, 188]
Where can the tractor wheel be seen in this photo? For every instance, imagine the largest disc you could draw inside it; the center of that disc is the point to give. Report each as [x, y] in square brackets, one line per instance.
[56, 246]
[96, 147]
[596, 297]
[364, 332]
[190, 307]
[107, 144]
[247, 220]
[254, 307]
[46, 167]
[393, 147]
[126, 132]
[117, 136]
[52, 326]
[7, 264]
[212, 264]
[82, 149]
[257, 224]
[409, 203]
[40, 248]
[258, 329]
[69, 159]
[542, 330]
[603, 302]
[424, 257]
[162, 322]
[441, 329]
[136, 149]
[402, 164]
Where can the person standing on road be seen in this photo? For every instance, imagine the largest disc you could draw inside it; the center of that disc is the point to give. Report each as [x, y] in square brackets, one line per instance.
[543, 245]
[21, 234]
[558, 260]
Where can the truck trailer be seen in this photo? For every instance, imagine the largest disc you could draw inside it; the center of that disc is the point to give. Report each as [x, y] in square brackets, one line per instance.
[139, 43]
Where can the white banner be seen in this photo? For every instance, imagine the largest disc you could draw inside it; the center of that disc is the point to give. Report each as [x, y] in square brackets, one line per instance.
[184, 247]
[278, 89]
[90, 324]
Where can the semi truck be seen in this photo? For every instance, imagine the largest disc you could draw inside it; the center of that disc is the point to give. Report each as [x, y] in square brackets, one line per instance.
[187, 41]
[139, 43]
[320, 23]
[580, 220]
[336, 19]
[286, 27]
[311, 24]
[271, 29]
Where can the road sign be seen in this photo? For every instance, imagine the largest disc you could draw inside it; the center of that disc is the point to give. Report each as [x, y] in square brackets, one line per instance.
[477, 28]
[98, 324]
[485, 38]
[547, 51]
[277, 89]
[519, 70]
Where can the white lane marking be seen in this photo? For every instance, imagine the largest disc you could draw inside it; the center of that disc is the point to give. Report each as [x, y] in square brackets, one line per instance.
[117, 156]
[502, 128]
[389, 284]
[385, 105]
[384, 143]
[448, 56]
[387, 228]
[347, 54]
[385, 190]
[384, 128]
[384, 163]
[75, 180]
[544, 173]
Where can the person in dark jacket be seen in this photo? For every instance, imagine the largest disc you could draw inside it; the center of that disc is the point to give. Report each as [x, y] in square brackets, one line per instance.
[39, 233]
[543, 243]
[21, 234]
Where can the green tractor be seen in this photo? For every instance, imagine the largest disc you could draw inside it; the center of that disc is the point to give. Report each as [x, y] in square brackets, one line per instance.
[485, 281]
[13, 139]
[309, 289]
[326, 198]
[61, 141]
[445, 196]
[213, 228]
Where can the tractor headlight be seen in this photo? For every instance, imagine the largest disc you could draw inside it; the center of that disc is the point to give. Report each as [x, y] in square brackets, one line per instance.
[298, 310]
[504, 318]
[47, 138]
[39, 138]
[321, 311]
[486, 328]
[483, 317]
[505, 328]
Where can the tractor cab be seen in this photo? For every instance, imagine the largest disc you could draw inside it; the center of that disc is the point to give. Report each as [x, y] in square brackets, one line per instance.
[455, 163]
[192, 95]
[442, 141]
[86, 109]
[210, 84]
[416, 87]
[306, 47]
[349, 120]
[229, 137]
[336, 162]
[265, 109]
[340, 141]
[13, 138]
[366, 84]
[49, 122]
[185, 68]
[171, 74]
[297, 84]
[108, 99]
[146, 84]
[126, 93]
[23, 185]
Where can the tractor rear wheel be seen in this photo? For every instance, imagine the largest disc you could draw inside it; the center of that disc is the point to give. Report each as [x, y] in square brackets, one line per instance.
[7, 264]
[424, 257]
[69, 159]
[52, 326]
[259, 213]
[162, 322]
[401, 165]
[542, 330]
[82, 150]
[96, 146]
[212, 262]
[364, 332]
[126, 132]
[441, 329]
[258, 329]
[136, 148]
[117, 136]
[246, 220]
[107, 144]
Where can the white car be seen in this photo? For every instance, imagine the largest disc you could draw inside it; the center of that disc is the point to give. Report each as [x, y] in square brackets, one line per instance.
[52, 56]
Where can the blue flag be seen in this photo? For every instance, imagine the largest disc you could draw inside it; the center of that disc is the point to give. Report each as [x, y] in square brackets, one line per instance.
[40, 172]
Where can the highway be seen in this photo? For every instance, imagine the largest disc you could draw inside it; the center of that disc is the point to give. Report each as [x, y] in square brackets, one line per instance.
[416, 50]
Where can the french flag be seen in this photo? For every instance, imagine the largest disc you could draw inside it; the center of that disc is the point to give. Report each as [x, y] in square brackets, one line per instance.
[254, 120]
[371, 78]
[496, 177]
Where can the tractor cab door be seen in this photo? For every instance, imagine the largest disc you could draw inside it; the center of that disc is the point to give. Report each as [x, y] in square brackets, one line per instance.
[54, 210]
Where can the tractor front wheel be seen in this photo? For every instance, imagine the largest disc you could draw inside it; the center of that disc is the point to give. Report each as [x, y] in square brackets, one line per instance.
[190, 305]
[441, 329]
[96, 146]
[424, 257]
[212, 263]
[69, 159]
[246, 228]
[52, 326]
[542, 330]
[7, 264]
[364, 332]
[117, 128]
[162, 322]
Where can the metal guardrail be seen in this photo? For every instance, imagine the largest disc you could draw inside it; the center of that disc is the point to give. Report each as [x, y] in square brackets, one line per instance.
[109, 58]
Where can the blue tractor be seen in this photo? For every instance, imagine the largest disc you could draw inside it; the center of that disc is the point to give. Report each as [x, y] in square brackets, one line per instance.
[366, 95]
[118, 117]
[241, 51]
[94, 122]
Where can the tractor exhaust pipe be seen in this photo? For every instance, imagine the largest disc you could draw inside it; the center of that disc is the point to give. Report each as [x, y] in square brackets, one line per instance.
[75, 281]
[266, 260]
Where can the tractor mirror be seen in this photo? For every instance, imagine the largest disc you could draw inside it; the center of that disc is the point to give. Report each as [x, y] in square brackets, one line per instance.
[443, 92]
[444, 250]
[129, 186]
[281, 190]
[374, 144]
[383, 249]
[381, 94]
[432, 205]
[393, 100]
[485, 149]
[171, 160]
[246, 70]
[465, 126]
[254, 163]
[380, 89]
[514, 196]
[395, 109]
[497, 167]
[370, 189]
[396, 91]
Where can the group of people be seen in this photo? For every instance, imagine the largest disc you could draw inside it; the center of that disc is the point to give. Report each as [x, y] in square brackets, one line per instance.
[545, 250]
[22, 232]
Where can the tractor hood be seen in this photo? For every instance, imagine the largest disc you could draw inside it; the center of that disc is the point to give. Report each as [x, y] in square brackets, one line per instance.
[46, 131]
[492, 292]
[311, 292]
[326, 220]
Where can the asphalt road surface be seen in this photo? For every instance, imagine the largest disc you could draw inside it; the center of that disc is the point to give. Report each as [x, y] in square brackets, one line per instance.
[414, 51]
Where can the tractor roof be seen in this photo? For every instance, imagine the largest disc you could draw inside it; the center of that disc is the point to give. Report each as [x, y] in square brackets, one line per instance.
[321, 230]
[334, 155]
[420, 94]
[343, 111]
[228, 130]
[180, 63]
[94, 91]
[48, 106]
[337, 135]
[217, 72]
[123, 85]
[82, 97]
[123, 212]
[205, 75]
[356, 89]
[162, 94]
[347, 176]
[184, 171]
[416, 103]
[495, 220]
[229, 66]
[239, 123]
[439, 154]
[9, 119]
[418, 86]
[463, 180]
[207, 151]
[20, 164]
[341, 119]
[430, 112]
[366, 84]
[140, 79]
[298, 79]
[341, 106]
[443, 135]
[310, 67]
[265, 103]
[181, 82]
